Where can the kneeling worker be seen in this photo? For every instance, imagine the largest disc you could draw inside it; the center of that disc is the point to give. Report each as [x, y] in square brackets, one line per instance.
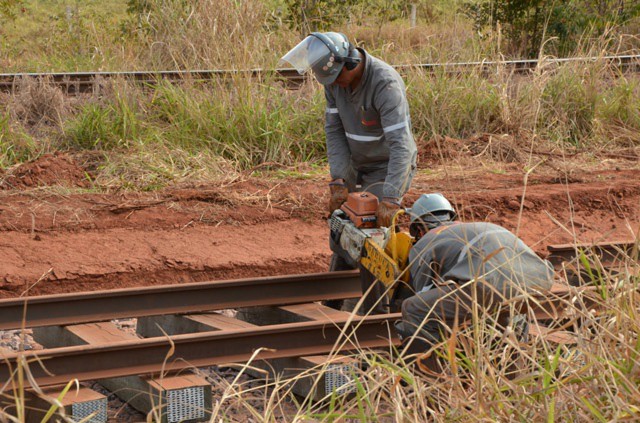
[450, 260]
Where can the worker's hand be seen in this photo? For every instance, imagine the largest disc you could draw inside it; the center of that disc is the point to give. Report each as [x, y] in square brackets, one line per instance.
[386, 210]
[339, 193]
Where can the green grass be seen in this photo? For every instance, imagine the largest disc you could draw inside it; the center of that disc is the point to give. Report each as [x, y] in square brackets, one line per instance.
[249, 124]
[456, 106]
[55, 35]
[16, 146]
[177, 132]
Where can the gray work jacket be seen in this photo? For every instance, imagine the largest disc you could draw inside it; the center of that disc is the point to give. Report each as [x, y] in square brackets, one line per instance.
[369, 128]
[461, 252]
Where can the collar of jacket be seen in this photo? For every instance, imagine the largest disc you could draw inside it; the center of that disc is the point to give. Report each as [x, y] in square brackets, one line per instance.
[366, 59]
[446, 225]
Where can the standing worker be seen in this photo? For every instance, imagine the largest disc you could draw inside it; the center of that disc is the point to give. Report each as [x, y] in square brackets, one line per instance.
[370, 145]
[451, 260]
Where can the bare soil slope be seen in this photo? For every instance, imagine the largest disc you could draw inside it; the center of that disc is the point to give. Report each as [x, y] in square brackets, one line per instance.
[55, 240]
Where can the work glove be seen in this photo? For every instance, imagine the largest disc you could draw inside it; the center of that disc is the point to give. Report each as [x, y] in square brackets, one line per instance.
[386, 210]
[339, 193]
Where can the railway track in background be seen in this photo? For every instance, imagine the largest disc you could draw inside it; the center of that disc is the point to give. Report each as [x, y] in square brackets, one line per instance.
[73, 83]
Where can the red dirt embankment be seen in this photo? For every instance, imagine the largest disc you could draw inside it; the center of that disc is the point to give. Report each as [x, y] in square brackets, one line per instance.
[50, 169]
[54, 243]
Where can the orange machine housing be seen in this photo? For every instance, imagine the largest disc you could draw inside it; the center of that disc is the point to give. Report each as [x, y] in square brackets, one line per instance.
[361, 208]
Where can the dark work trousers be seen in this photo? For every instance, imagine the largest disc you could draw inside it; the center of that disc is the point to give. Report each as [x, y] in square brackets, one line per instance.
[440, 308]
[372, 182]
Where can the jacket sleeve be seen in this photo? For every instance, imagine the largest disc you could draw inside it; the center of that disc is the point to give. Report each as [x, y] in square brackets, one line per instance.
[391, 102]
[338, 152]
[421, 267]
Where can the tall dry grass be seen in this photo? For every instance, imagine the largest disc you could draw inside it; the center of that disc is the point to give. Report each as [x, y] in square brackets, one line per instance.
[243, 123]
[490, 373]
[208, 34]
[170, 133]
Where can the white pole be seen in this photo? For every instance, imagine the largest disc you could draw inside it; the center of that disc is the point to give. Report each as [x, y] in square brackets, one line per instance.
[414, 9]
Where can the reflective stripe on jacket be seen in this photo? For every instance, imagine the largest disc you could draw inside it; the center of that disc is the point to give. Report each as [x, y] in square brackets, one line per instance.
[369, 128]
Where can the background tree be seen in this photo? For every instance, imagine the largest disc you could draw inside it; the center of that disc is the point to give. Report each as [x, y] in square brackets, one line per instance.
[528, 23]
[323, 15]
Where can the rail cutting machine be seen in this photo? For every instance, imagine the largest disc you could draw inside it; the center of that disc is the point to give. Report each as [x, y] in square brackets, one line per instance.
[356, 237]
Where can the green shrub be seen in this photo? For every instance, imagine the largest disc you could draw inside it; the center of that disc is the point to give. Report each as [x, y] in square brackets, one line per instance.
[621, 104]
[528, 24]
[247, 123]
[568, 107]
[618, 113]
[16, 146]
[104, 126]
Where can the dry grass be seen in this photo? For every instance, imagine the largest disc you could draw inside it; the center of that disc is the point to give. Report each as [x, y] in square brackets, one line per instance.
[196, 35]
[490, 373]
[198, 130]
[174, 133]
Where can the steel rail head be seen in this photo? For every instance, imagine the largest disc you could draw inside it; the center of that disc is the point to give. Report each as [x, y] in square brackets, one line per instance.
[151, 356]
[607, 252]
[75, 82]
[65, 309]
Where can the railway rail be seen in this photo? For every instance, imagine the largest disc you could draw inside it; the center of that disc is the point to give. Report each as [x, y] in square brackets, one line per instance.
[322, 334]
[69, 309]
[149, 356]
[608, 253]
[75, 308]
[73, 83]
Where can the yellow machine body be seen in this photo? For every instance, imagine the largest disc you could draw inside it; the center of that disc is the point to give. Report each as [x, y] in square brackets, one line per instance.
[389, 265]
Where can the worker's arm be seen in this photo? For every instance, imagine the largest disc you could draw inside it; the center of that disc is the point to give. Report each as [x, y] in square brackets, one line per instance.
[391, 103]
[338, 152]
[422, 268]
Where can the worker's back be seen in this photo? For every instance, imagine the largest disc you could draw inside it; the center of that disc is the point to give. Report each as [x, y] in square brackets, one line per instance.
[482, 251]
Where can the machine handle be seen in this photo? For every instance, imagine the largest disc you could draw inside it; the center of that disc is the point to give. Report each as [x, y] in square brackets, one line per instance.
[394, 248]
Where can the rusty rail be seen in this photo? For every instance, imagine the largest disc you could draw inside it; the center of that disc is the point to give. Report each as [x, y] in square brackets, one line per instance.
[87, 82]
[607, 252]
[91, 82]
[149, 356]
[66, 309]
